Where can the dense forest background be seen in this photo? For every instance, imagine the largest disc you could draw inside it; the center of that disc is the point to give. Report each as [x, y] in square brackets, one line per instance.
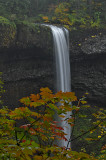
[73, 13]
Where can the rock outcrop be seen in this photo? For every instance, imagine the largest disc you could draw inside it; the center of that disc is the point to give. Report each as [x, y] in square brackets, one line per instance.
[27, 62]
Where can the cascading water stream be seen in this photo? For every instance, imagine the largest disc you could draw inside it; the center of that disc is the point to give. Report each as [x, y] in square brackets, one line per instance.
[61, 48]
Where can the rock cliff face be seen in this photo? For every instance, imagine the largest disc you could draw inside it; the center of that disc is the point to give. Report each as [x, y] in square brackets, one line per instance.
[88, 66]
[28, 63]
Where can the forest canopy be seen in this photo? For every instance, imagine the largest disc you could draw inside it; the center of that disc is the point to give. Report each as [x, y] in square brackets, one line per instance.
[74, 13]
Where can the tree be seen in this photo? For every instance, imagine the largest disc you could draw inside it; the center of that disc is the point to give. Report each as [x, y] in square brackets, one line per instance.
[79, 14]
[34, 138]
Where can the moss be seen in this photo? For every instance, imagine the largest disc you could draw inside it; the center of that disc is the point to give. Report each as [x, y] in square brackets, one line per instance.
[7, 32]
[24, 34]
[4, 21]
[29, 25]
[26, 23]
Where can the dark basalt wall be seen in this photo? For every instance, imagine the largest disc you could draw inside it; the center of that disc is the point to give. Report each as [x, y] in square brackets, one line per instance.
[89, 76]
[25, 71]
[29, 64]
[88, 66]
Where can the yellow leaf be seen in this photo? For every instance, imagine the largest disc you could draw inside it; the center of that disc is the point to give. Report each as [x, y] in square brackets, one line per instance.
[86, 93]
[46, 19]
[38, 158]
[93, 36]
[99, 136]
[83, 102]
[62, 116]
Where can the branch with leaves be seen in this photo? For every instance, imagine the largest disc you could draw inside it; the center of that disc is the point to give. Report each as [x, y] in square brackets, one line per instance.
[35, 139]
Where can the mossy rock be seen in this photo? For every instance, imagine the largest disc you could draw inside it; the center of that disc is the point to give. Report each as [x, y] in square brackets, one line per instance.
[23, 34]
[7, 32]
[31, 34]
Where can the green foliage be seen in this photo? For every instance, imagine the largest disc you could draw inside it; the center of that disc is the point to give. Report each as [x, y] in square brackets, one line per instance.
[87, 132]
[78, 15]
[13, 7]
[34, 139]
[74, 14]
[5, 21]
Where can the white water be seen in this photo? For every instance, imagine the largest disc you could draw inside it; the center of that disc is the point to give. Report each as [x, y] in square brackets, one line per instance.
[61, 47]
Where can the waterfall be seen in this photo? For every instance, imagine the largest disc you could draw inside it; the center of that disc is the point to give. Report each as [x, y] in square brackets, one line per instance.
[61, 48]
